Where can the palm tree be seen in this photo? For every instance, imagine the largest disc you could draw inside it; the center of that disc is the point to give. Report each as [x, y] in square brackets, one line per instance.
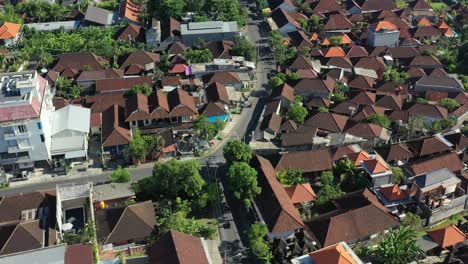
[399, 247]
[350, 177]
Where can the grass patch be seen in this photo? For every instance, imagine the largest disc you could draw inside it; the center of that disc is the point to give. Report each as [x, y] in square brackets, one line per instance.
[211, 222]
[438, 5]
[451, 220]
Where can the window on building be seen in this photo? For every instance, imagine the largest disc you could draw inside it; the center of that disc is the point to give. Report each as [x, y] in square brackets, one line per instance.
[134, 123]
[147, 122]
[42, 138]
[174, 119]
[186, 119]
[22, 129]
[9, 130]
[39, 125]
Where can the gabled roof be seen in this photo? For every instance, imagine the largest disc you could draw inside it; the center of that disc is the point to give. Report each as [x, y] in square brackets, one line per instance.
[181, 103]
[301, 160]
[333, 52]
[300, 40]
[25, 236]
[342, 151]
[326, 6]
[438, 72]
[358, 157]
[220, 49]
[177, 248]
[450, 161]
[9, 30]
[362, 83]
[133, 222]
[282, 17]
[301, 62]
[447, 236]
[131, 32]
[275, 206]
[216, 92]
[334, 254]
[221, 77]
[115, 130]
[394, 152]
[357, 52]
[371, 63]
[338, 22]
[12, 206]
[130, 10]
[176, 48]
[140, 57]
[428, 146]
[428, 110]
[392, 102]
[375, 165]
[403, 52]
[422, 61]
[353, 225]
[118, 84]
[366, 112]
[385, 14]
[394, 193]
[366, 130]
[310, 85]
[78, 60]
[426, 31]
[459, 140]
[301, 193]
[435, 179]
[319, 102]
[364, 98]
[285, 92]
[377, 5]
[421, 5]
[415, 72]
[99, 74]
[340, 62]
[423, 21]
[73, 118]
[137, 107]
[328, 121]
[383, 25]
[213, 109]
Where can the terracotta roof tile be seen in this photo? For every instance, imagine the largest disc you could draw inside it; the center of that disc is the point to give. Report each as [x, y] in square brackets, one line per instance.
[334, 254]
[447, 236]
[301, 160]
[394, 193]
[429, 110]
[395, 152]
[364, 98]
[451, 161]
[392, 102]
[274, 204]
[9, 30]
[428, 146]
[327, 121]
[366, 130]
[301, 193]
[383, 25]
[375, 165]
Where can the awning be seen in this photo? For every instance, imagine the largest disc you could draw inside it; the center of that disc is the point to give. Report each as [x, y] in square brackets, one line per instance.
[75, 154]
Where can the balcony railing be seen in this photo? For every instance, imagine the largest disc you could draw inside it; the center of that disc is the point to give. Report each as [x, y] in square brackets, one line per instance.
[17, 149]
[12, 136]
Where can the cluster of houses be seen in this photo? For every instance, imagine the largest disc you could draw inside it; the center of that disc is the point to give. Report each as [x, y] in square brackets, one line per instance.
[36, 127]
[373, 37]
[46, 227]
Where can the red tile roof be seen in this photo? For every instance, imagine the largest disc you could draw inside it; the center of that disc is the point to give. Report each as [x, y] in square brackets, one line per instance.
[301, 193]
[9, 30]
[274, 204]
[394, 193]
[334, 254]
[375, 165]
[447, 236]
[451, 161]
[301, 160]
[130, 10]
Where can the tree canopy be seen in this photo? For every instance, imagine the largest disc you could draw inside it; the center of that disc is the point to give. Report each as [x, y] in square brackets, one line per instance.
[329, 189]
[398, 247]
[258, 242]
[145, 89]
[379, 119]
[397, 175]
[198, 55]
[121, 175]
[351, 178]
[243, 181]
[237, 151]
[243, 47]
[449, 103]
[172, 179]
[206, 129]
[297, 112]
[291, 177]
[281, 52]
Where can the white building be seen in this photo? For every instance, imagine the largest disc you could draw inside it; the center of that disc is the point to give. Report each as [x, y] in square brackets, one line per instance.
[26, 117]
[70, 132]
[30, 128]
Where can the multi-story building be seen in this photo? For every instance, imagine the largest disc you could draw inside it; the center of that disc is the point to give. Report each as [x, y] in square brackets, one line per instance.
[383, 33]
[26, 118]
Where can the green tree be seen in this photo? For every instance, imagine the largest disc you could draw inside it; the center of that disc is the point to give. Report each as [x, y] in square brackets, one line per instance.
[243, 47]
[198, 56]
[137, 148]
[258, 242]
[170, 8]
[281, 52]
[237, 151]
[398, 247]
[291, 177]
[415, 123]
[379, 119]
[8, 14]
[397, 175]
[413, 221]
[449, 103]
[121, 175]
[297, 112]
[323, 109]
[154, 144]
[335, 40]
[176, 218]
[400, 4]
[145, 89]
[206, 129]
[392, 74]
[350, 177]
[328, 188]
[243, 181]
[172, 179]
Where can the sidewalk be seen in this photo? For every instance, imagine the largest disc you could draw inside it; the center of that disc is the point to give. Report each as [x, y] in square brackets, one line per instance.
[43, 178]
